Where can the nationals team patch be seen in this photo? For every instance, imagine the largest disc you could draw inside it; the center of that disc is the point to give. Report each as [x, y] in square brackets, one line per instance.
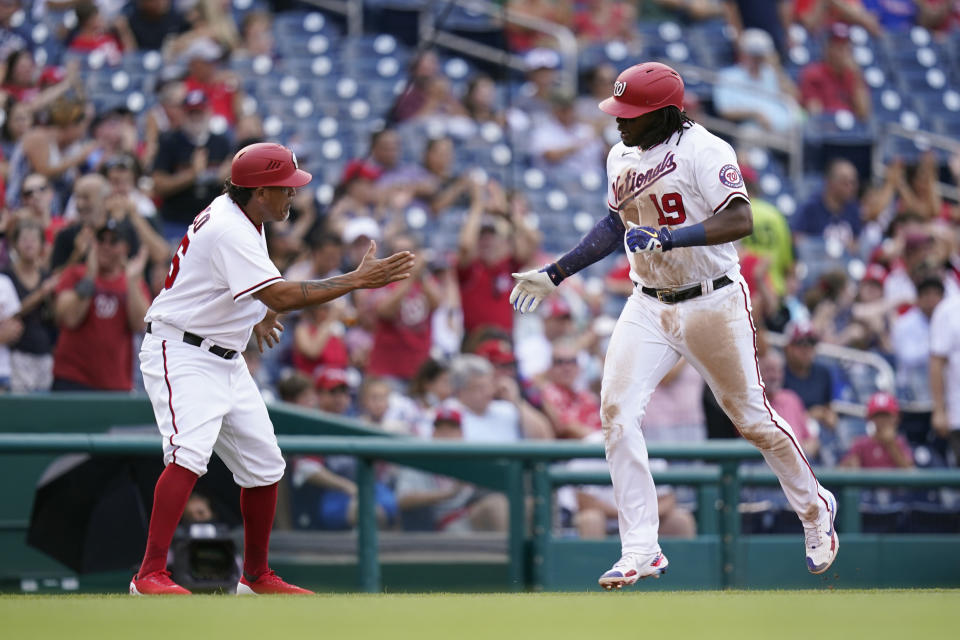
[730, 176]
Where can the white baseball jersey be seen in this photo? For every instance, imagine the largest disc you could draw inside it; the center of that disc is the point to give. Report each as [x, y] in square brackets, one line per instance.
[220, 263]
[677, 183]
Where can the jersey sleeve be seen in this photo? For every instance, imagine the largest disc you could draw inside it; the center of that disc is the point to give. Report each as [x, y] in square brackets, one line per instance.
[240, 261]
[718, 175]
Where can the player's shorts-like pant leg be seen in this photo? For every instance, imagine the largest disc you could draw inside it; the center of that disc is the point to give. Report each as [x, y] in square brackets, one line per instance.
[719, 340]
[247, 444]
[190, 394]
[638, 356]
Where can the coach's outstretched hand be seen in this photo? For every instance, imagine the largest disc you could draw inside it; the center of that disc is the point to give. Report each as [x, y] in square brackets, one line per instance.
[374, 272]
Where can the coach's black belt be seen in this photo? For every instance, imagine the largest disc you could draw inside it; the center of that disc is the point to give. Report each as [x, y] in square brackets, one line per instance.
[197, 341]
[672, 296]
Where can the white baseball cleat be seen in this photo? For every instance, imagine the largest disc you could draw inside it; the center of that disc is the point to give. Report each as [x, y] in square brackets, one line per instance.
[821, 536]
[632, 567]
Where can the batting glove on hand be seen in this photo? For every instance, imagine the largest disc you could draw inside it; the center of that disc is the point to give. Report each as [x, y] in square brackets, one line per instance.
[641, 239]
[531, 288]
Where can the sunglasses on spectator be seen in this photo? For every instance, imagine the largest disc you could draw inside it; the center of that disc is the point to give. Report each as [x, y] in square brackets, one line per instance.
[29, 193]
[559, 361]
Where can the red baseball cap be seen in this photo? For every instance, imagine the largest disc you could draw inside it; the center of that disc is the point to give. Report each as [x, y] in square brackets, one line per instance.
[267, 164]
[448, 414]
[882, 402]
[875, 273]
[330, 379]
[359, 169]
[496, 351]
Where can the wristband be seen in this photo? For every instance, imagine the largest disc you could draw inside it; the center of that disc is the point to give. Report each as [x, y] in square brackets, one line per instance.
[555, 273]
[693, 236]
[85, 288]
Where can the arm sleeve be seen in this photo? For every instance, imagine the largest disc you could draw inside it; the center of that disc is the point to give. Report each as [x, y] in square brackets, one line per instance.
[718, 175]
[605, 237]
[241, 262]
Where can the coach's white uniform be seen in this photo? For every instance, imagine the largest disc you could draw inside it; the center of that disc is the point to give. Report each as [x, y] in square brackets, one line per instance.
[204, 402]
[680, 182]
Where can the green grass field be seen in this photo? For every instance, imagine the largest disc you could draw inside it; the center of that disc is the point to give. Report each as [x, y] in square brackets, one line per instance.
[739, 615]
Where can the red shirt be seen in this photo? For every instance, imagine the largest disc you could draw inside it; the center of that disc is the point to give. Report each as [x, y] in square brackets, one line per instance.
[332, 356]
[402, 343]
[580, 407]
[833, 89]
[872, 455]
[99, 352]
[485, 293]
[219, 96]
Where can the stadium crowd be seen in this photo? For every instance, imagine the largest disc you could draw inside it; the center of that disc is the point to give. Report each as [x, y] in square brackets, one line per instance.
[93, 201]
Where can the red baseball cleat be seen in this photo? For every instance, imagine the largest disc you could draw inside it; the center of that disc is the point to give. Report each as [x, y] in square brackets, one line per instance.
[157, 583]
[268, 583]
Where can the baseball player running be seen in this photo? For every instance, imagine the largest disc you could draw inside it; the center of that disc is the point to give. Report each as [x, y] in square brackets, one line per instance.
[677, 202]
[222, 287]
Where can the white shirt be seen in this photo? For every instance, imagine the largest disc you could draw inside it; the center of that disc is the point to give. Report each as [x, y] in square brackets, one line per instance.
[552, 135]
[9, 306]
[910, 336]
[500, 423]
[219, 265]
[677, 183]
[945, 342]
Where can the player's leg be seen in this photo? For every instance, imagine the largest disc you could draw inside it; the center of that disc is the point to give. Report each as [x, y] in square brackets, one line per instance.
[189, 422]
[720, 342]
[248, 446]
[638, 356]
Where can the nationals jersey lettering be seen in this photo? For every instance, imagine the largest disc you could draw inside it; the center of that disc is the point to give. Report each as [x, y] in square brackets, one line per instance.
[680, 182]
[221, 261]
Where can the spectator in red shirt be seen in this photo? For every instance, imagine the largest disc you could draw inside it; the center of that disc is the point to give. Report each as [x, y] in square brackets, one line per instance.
[574, 414]
[401, 333]
[220, 87]
[885, 448]
[835, 83]
[485, 260]
[93, 34]
[318, 340]
[99, 306]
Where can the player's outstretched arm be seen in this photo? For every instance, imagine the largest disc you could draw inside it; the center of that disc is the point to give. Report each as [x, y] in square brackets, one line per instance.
[372, 273]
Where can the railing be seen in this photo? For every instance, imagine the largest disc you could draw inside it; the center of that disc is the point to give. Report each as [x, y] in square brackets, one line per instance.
[518, 459]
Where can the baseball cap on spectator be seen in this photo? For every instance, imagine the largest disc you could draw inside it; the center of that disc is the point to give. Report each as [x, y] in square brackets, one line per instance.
[558, 308]
[803, 334]
[756, 42]
[496, 351]
[541, 58]
[121, 229]
[917, 240]
[359, 228]
[120, 160]
[882, 402]
[195, 100]
[204, 49]
[359, 169]
[448, 414]
[330, 379]
[875, 273]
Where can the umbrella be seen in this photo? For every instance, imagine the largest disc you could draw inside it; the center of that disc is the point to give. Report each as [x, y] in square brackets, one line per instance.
[91, 513]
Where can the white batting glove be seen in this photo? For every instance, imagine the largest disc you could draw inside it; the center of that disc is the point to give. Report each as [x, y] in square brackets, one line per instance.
[531, 288]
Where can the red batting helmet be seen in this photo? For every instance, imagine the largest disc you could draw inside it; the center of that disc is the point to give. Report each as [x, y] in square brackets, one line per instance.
[644, 88]
[267, 164]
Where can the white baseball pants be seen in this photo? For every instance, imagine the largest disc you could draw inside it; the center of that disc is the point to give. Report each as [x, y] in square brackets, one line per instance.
[204, 404]
[715, 333]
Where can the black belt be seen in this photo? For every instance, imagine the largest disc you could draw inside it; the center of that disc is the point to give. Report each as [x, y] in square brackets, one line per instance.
[672, 296]
[197, 341]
